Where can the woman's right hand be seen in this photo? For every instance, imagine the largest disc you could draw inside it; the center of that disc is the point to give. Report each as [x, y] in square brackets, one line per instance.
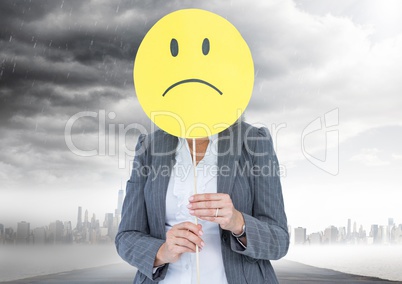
[181, 238]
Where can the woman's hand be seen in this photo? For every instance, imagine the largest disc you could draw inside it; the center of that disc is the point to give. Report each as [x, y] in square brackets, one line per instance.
[204, 206]
[180, 238]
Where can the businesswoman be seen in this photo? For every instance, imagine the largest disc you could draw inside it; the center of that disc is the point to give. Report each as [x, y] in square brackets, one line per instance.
[242, 222]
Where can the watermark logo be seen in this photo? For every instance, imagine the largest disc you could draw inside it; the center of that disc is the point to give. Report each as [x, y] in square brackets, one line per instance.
[110, 142]
[328, 127]
[111, 139]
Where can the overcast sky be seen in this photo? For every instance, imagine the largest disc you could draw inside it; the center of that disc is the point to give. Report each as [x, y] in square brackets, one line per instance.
[312, 58]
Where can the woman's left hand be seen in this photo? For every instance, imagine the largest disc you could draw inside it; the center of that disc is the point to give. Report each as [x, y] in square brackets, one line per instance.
[218, 208]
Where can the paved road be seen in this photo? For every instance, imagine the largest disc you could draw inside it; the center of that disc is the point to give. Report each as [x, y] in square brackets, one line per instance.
[288, 273]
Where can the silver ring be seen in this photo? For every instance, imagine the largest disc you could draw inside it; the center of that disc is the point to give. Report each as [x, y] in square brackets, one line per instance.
[216, 212]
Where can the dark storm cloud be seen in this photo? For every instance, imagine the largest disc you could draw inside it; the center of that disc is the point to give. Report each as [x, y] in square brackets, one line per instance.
[45, 45]
[79, 45]
[67, 56]
[52, 59]
[26, 11]
[58, 58]
[86, 33]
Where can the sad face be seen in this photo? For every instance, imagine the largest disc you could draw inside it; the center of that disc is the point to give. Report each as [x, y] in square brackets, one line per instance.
[193, 73]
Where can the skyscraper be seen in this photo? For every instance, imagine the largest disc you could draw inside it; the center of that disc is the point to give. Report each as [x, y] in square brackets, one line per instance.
[315, 238]
[86, 220]
[68, 232]
[39, 235]
[120, 202]
[56, 230]
[9, 236]
[79, 219]
[389, 228]
[375, 234]
[331, 235]
[23, 232]
[93, 221]
[300, 235]
[108, 223]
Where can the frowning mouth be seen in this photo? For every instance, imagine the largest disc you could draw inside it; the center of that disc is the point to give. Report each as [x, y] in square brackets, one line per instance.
[192, 81]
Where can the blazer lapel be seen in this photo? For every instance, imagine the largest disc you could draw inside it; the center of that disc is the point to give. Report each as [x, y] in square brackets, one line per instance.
[163, 157]
[229, 150]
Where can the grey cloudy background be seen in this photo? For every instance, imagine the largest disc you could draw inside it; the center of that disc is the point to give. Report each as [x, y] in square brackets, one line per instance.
[60, 58]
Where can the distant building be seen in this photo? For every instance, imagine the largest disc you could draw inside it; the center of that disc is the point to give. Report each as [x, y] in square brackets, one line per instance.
[120, 199]
[103, 235]
[355, 234]
[92, 236]
[39, 235]
[382, 235]
[79, 219]
[397, 234]
[393, 234]
[68, 232]
[108, 223]
[362, 232]
[23, 232]
[94, 222]
[362, 235]
[56, 230]
[342, 235]
[315, 238]
[300, 235]
[330, 235]
[390, 225]
[86, 220]
[374, 234]
[9, 236]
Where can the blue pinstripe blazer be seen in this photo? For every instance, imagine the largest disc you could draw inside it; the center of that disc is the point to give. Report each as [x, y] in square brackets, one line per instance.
[248, 173]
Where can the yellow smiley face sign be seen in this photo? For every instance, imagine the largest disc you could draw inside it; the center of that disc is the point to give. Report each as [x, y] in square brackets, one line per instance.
[193, 73]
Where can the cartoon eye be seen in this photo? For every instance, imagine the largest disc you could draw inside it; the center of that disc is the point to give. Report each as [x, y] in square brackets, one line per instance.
[174, 47]
[205, 46]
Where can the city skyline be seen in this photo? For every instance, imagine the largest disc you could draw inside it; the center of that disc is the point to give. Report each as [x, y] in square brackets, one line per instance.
[389, 233]
[298, 235]
[86, 229]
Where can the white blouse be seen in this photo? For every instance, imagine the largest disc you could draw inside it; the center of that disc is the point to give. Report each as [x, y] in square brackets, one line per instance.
[180, 188]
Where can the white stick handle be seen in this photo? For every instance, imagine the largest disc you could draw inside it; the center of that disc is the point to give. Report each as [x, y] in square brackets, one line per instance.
[197, 256]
